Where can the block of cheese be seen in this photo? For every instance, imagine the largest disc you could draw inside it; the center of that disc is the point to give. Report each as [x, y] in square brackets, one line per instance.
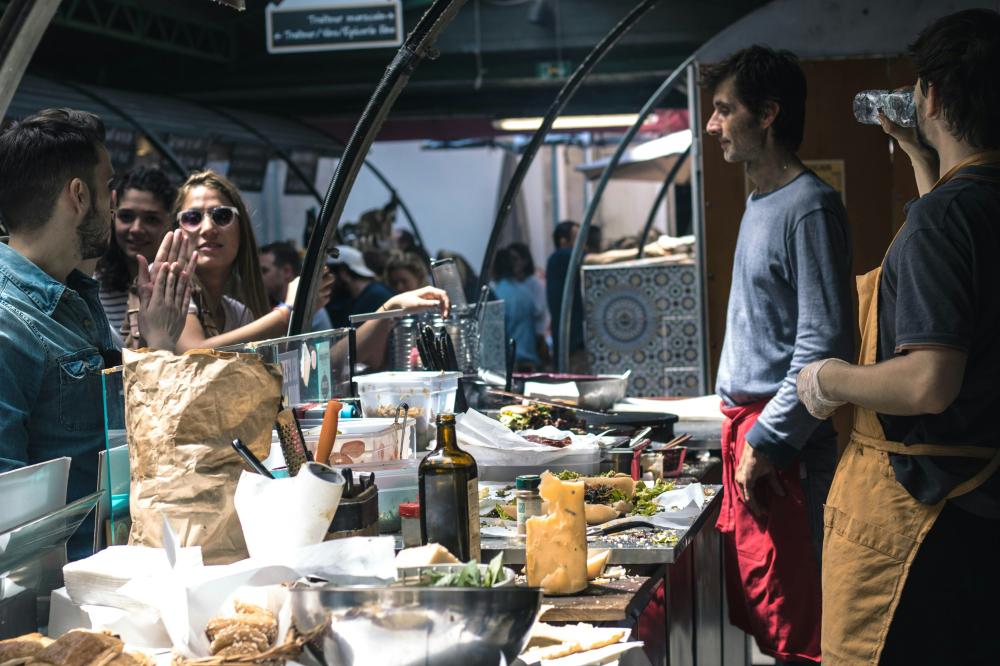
[424, 556]
[556, 543]
[596, 561]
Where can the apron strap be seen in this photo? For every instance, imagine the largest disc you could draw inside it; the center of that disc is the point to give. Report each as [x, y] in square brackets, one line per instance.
[961, 451]
[978, 480]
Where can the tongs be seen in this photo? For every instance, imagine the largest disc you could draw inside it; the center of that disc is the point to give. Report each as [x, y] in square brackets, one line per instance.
[405, 409]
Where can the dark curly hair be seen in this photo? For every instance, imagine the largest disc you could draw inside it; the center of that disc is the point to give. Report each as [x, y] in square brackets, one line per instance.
[112, 268]
[763, 75]
[959, 55]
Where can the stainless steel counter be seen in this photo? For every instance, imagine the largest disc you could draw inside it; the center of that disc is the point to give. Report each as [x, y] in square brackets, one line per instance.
[621, 553]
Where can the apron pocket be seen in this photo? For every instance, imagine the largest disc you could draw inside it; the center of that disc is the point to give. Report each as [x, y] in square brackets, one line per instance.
[863, 569]
[752, 538]
[874, 537]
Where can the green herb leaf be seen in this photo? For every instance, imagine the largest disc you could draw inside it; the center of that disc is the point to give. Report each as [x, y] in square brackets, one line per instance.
[494, 572]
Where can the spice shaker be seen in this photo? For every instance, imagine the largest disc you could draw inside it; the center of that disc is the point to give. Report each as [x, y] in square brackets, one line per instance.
[409, 522]
[529, 502]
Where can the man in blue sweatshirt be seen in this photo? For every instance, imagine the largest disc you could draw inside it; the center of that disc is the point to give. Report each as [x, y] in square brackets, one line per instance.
[789, 305]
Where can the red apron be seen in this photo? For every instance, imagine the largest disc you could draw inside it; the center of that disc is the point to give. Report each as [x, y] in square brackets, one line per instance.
[772, 577]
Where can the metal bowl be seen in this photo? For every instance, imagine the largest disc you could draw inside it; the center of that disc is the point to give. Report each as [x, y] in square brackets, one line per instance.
[596, 392]
[410, 626]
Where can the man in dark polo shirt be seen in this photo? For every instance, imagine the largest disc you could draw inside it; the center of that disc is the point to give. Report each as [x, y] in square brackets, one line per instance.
[916, 531]
[356, 289]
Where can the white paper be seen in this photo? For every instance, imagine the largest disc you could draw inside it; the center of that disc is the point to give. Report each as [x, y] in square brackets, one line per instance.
[99, 579]
[681, 507]
[705, 408]
[280, 515]
[188, 599]
[492, 443]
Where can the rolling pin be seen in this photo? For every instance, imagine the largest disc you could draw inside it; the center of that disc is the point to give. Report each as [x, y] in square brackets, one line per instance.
[328, 433]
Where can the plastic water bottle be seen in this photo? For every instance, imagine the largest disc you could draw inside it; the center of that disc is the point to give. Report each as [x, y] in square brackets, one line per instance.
[897, 105]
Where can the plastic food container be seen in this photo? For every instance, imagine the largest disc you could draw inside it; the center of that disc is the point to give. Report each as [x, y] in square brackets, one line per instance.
[426, 393]
[397, 484]
[365, 441]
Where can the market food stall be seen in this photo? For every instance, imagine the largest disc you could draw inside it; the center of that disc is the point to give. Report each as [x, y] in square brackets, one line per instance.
[267, 498]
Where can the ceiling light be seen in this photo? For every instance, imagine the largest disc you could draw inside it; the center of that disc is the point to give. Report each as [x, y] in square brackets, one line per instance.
[568, 122]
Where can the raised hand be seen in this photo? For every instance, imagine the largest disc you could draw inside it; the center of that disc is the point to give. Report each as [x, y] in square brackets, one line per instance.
[165, 291]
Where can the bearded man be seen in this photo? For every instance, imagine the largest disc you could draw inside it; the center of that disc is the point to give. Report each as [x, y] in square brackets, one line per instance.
[56, 201]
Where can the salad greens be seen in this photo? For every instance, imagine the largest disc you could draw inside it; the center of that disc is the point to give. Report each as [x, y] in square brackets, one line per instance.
[498, 512]
[469, 575]
[645, 497]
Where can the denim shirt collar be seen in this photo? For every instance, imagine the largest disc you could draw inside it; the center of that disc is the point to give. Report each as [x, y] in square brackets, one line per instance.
[43, 290]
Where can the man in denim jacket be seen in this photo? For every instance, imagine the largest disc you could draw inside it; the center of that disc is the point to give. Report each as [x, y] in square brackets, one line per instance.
[56, 202]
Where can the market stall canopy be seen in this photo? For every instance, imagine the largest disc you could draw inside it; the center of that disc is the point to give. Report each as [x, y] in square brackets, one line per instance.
[652, 160]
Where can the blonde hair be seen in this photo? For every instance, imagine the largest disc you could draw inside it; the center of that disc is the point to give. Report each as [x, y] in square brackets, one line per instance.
[245, 283]
[406, 261]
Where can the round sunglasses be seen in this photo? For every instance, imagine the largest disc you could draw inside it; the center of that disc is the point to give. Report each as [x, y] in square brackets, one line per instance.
[221, 216]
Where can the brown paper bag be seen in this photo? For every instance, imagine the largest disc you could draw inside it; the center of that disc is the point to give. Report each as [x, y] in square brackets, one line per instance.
[181, 414]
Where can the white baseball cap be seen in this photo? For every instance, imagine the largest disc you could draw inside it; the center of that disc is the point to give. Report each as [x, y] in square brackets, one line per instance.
[353, 259]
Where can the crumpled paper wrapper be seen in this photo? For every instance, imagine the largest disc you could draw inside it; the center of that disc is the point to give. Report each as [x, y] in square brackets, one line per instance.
[181, 415]
[492, 443]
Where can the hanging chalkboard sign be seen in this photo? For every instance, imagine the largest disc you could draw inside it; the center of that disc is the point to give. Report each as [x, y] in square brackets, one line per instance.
[308, 162]
[120, 143]
[247, 166]
[192, 151]
[297, 26]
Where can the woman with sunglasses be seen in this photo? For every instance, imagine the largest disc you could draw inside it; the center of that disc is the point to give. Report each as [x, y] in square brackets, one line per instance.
[231, 305]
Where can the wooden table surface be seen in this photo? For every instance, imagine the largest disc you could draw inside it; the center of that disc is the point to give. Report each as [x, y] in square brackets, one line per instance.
[613, 601]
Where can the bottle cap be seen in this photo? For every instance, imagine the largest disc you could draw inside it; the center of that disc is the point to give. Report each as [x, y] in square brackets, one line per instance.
[528, 482]
[409, 510]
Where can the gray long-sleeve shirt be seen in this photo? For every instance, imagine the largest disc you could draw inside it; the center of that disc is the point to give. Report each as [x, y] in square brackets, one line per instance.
[789, 305]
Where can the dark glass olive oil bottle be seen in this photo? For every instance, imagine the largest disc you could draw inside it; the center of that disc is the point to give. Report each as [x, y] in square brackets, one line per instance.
[449, 495]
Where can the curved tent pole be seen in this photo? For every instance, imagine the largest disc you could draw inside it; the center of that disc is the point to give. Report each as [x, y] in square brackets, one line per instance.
[375, 172]
[565, 95]
[158, 143]
[577, 255]
[22, 24]
[417, 47]
[278, 150]
[674, 170]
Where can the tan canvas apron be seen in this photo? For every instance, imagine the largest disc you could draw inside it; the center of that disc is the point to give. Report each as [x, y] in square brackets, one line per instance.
[873, 526]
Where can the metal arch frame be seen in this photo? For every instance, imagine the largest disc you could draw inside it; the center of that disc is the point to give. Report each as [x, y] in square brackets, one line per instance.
[394, 193]
[565, 94]
[577, 255]
[160, 28]
[278, 150]
[667, 182]
[22, 24]
[418, 46]
[157, 142]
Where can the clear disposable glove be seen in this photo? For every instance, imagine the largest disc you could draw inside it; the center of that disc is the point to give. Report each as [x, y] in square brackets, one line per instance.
[811, 394]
